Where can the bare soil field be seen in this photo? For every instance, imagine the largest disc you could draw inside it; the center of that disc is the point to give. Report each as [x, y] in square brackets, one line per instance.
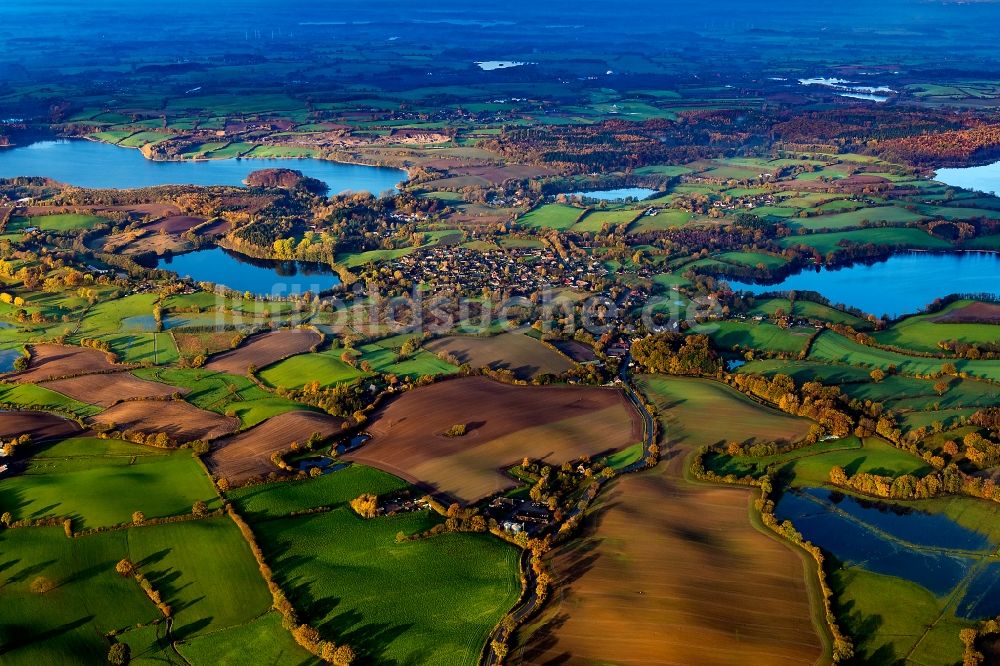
[175, 224]
[107, 389]
[218, 228]
[577, 351]
[505, 423]
[522, 355]
[674, 570]
[248, 454]
[263, 350]
[973, 313]
[180, 420]
[40, 425]
[49, 361]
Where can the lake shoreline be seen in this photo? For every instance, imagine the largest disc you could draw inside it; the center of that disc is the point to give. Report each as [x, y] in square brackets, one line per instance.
[90, 163]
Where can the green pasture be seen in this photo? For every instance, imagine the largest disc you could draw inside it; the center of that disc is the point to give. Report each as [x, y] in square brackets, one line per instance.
[98, 484]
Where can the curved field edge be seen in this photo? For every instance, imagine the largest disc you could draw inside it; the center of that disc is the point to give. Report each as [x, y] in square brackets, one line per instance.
[809, 565]
[599, 575]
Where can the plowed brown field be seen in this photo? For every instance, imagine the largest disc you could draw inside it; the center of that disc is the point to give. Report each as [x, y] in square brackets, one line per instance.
[263, 350]
[248, 454]
[505, 423]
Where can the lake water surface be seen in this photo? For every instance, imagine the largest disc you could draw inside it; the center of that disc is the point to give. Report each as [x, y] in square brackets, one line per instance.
[101, 165]
[903, 284]
[891, 540]
[980, 178]
[263, 277]
[619, 194]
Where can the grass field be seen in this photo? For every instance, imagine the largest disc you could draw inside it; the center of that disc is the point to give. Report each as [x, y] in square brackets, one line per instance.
[595, 220]
[223, 393]
[280, 499]
[903, 237]
[665, 219]
[204, 569]
[101, 482]
[895, 391]
[835, 348]
[749, 335]
[66, 625]
[262, 640]
[327, 367]
[769, 261]
[552, 216]
[31, 396]
[707, 412]
[856, 218]
[57, 222]
[810, 466]
[924, 332]
[807, 309]
[431, 601]
[324, 367]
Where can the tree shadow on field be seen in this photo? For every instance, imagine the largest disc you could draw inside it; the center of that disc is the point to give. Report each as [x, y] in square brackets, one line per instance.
[29, 571]
[474, 425]
[543, 640]
[24, 634]
[852, 467]
[46, 510]
[8, 564]
[85, 574]
[153, 558]
[370, 638]
[191, 628]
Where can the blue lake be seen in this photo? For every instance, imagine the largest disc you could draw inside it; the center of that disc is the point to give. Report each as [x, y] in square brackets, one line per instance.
[101, 165]
[263, 277]
[980, 178]
[903, 284]
[619, 194]
[7, 358]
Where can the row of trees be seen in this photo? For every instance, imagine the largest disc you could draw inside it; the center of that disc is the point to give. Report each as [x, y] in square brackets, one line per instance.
[950, 481]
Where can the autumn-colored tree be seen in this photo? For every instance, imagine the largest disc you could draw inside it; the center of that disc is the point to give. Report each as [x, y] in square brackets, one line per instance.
[365, 505]
[877, 375]
[119, 654]
[838, 476]
[138, 517]
[42, 585]
[125, 568]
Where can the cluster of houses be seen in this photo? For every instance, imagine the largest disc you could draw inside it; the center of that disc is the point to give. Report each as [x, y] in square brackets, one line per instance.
[520, 271]
[516, 515]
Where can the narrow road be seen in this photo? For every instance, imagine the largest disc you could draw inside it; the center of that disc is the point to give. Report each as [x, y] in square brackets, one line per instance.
[529, 604]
